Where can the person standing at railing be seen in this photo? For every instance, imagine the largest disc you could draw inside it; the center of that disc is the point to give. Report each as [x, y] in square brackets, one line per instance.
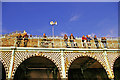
[44, 43]
[96, 41]
[88, 41]
[84, 41]
[72, 38]
[25, 38]
[66, 40]
[19, 38]
[44, 37]
[104, 41]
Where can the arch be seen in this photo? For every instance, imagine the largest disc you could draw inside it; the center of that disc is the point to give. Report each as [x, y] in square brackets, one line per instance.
[4, 65]
[35, 55]
[3, 70]
[116, 67]
[79, 56]
[113, 61]
[74, 58]
[89, 56]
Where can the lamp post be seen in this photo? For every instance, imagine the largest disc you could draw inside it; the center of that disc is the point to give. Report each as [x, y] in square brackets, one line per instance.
[53, 23]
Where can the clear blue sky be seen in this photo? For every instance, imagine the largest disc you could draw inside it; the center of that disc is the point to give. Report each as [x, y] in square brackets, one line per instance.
[79, 18]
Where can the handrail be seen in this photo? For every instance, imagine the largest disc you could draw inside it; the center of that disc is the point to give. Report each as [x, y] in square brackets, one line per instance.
[56, 49]
[59, 42]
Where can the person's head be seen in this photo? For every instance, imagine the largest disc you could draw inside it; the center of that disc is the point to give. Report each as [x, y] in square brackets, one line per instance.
[43, 34]
[31, 35]
[95, 36]
[71, 34]
[83, 36]
[87, 36]
[65, 35]
[104, 37]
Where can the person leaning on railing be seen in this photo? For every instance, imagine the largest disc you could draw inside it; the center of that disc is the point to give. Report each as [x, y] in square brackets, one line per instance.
[84, 41]
[66, 40]
[96, 41]
[44, 43]
[104, 41]
[88, 41]
[25, 38]
[19, 38]
[44, 37]
[72, 38]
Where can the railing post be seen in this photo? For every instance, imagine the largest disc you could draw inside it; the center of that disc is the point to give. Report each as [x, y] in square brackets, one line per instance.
[63, 65]
[38, 41]
[109, 71]
[11, 64]
[61, 42]
[15, 42]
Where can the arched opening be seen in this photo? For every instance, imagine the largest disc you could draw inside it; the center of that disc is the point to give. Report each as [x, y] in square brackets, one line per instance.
[37, 68]
[116, 69]
[2, 72]
[86, 68]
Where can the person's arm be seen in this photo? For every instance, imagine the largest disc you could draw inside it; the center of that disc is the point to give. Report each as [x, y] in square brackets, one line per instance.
[64, 37]
[23, 37]
[97, 40]
[27, 36]
[102, 40]
[70, 37]
[82, 38]
[105, 40]
[73, 37]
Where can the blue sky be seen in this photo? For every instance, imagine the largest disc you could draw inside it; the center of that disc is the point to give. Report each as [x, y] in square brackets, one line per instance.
[79, 18]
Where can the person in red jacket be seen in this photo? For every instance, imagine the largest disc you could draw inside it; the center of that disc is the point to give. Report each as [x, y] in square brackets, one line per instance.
[84, 41]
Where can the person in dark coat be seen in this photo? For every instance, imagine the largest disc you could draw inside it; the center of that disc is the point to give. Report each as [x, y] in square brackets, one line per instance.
[96, 41]
[104, 41]
[19, 38]
[44, 37]
[44, 42]
[84, 41]
[72, 38]
[88, 41]
[25, 37]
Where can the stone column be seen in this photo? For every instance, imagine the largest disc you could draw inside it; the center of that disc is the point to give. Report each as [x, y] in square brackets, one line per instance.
[63, 65]
[11, 64]
[109, 71]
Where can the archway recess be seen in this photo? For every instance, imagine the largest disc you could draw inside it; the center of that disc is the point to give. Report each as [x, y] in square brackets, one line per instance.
[116, 69]
[37, 67]
[2, 72]
[86, 68]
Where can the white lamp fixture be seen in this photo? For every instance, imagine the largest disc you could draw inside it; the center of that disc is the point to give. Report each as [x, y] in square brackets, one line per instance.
[53, 23]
